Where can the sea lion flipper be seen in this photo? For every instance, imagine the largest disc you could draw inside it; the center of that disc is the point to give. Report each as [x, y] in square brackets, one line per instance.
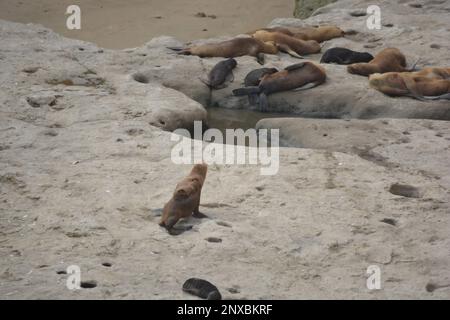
[175, 48]
[157, 212]
[205, 82]
[230, 77]
[202, 288]
[263, 102]
[444, 96]
[246, 91]
[411, 86]
[182, 51]
[413, 67]
[177, 231]
[295, 66]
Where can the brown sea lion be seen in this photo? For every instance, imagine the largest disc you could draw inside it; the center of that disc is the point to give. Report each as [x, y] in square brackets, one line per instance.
[236, 47]
[387, 60]
[318, 34]
[304, 75]
[426, 84]
[202, 288]
[186, 198]
[288, 43]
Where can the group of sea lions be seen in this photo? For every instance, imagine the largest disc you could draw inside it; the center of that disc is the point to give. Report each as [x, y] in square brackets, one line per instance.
[387, 70]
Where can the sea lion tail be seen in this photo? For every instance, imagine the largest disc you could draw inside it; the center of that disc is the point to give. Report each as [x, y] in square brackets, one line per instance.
[246, 91]
[179, 50]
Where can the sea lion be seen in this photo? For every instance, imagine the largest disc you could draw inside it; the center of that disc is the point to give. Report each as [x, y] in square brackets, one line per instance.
[221, 72]
[345, 56]
[288, 44]
[186, 198]
[319, 34]
[302, 75]
[286, 31]
[236, 47]
[387, 60]
[253, 78]
[202, 288]
[426, 84]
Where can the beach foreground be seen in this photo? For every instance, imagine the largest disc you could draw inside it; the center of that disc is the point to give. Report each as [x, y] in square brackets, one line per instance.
[86, 165]
[124, 24]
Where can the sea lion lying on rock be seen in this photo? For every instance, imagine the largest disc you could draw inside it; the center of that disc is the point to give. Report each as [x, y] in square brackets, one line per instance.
[387, 60]
[302, 75]
[185, 200]
[345, 56]
[295, 47]
[220, 73]
[426, 84]
[236, 47]
[318, 34]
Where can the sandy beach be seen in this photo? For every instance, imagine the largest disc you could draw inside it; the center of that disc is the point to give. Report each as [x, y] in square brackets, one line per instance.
[118, 24]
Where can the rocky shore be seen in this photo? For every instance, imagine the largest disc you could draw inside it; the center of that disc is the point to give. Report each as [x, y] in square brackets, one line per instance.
[85, 163]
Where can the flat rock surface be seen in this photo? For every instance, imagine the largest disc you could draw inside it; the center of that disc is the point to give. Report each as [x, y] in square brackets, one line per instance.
[85, 166]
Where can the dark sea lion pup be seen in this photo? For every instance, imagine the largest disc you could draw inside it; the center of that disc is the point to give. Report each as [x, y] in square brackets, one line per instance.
[345, 56]
[302, 75]
[291, 45]
[220, 73]
[185, 200]
[202, 288]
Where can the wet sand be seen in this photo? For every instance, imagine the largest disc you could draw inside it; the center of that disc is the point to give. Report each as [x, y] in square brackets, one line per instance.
[120, 24]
